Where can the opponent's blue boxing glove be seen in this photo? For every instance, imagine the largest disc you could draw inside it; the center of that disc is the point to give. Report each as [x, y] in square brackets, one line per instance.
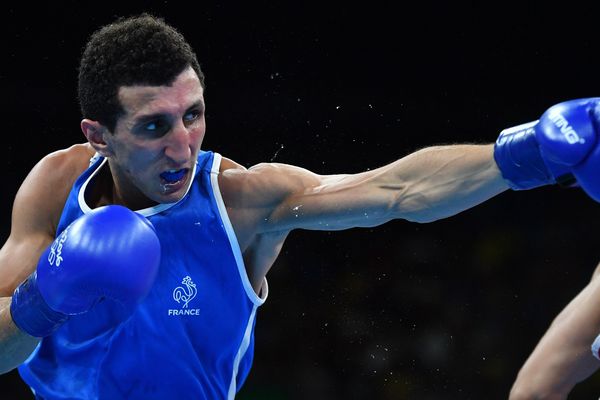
[561, 147]
[111, 252]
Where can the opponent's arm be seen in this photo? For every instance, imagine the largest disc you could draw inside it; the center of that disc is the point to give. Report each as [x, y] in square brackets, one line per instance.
[563, 358]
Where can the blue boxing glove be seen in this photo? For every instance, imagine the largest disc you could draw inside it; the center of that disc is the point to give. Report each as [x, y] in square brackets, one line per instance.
[561, 147]
[111, 253]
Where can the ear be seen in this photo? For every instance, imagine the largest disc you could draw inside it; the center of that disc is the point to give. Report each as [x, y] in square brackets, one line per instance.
[96, 134]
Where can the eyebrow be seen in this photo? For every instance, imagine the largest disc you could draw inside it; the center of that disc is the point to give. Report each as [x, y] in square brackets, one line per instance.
[149, 117]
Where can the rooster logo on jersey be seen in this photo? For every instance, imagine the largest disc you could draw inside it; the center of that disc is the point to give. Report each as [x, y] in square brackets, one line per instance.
[185, 295]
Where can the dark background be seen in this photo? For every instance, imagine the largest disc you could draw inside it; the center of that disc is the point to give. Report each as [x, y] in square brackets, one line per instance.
[447, 310]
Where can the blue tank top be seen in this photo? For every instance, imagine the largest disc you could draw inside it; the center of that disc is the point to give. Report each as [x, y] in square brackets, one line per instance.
[193, 335]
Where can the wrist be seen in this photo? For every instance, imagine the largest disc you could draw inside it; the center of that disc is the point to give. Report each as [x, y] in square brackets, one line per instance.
[31, 313]
[523, 164]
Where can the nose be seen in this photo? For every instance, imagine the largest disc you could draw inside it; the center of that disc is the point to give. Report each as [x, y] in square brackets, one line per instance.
[178, 146]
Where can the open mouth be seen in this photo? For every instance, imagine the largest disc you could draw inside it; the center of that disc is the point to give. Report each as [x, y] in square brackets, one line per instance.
[173, 178]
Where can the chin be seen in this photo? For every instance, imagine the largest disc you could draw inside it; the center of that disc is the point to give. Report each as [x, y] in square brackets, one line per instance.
[172, 198]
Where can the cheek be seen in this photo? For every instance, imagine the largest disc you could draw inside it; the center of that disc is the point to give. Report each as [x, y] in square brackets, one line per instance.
[197, 135]
[139, 160]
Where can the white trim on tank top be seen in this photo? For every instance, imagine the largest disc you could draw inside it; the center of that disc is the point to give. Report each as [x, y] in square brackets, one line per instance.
[235, 247]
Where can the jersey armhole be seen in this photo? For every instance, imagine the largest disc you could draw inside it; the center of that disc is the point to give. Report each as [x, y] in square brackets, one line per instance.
[257, 299]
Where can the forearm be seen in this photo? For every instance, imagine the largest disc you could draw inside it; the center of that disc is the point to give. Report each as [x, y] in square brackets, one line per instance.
[15, 345]
[438, 182]
[562, 358]
[427, 185]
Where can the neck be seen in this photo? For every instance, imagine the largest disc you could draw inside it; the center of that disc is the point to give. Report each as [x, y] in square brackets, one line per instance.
[105, 191]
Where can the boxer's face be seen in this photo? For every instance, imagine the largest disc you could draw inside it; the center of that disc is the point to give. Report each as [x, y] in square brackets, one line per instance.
[155, 145]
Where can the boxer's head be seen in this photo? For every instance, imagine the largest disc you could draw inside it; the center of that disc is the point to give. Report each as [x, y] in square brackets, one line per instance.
[141, 92]
[141, 50]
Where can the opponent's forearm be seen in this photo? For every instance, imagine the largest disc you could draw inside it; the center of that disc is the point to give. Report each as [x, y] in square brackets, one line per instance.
[563, 356]
[441, 181]
[15, 345]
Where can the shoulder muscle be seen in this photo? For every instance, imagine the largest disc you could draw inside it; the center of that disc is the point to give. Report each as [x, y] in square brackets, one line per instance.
[36, 211]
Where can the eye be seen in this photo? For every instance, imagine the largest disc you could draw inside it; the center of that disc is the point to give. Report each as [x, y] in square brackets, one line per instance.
[192, 115]
[156, 127]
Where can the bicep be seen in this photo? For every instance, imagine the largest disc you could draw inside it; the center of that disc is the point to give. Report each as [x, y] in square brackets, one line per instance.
[330, 202]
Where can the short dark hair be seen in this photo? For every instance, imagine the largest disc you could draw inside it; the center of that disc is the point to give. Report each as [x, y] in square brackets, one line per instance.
[139, 50]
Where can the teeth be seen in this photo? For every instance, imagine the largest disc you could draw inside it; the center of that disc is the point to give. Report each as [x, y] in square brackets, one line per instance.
[173, 175]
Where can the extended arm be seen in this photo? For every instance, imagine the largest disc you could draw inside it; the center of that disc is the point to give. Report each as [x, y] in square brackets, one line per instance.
[266, 202]
[563, 357]
[427, 185]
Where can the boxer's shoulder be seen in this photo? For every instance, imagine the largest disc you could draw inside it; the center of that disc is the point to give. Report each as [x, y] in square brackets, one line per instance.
[36, 212]
[69, 163]
[61, 168]
[43, 193]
